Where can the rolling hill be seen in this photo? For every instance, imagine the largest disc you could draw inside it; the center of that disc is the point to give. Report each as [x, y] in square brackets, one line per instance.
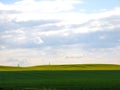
[63, 67]
[61, 77]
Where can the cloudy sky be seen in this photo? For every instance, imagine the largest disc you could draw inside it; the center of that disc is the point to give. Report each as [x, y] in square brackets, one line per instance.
[37, 32]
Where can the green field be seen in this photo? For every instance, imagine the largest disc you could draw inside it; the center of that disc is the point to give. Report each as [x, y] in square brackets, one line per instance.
[62, 77]
[63, 67]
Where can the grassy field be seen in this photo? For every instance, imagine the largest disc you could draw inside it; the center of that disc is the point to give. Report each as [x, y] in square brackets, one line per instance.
[31, 78]
[63, 67]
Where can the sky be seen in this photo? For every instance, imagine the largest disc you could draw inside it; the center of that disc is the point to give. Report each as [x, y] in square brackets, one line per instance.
[42, 32]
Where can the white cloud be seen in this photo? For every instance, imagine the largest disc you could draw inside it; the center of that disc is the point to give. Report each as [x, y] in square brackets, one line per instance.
[2, 47]
[40, 22]
[41, 6]
[55, 10]
[69, 54]
[38, 40]
[14, 36]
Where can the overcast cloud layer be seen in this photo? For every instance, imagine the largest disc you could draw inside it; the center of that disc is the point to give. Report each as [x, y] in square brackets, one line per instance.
[36, 32]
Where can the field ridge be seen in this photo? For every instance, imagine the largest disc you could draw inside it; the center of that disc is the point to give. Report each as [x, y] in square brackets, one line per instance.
[63, 67]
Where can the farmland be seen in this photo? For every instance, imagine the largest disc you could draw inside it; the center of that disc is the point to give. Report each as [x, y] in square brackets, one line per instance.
[63, 67]
[60, 78]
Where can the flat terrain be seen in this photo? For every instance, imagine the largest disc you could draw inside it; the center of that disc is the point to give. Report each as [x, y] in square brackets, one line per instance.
[31, 78]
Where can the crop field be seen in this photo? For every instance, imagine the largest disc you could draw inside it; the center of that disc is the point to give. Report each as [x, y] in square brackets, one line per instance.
[59, 79]
[63, 67]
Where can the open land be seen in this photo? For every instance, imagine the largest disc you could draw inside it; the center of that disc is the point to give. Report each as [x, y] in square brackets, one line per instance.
[61, 77]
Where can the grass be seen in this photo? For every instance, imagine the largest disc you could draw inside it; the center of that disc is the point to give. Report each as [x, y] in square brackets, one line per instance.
[79, 77]
[63, 67]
